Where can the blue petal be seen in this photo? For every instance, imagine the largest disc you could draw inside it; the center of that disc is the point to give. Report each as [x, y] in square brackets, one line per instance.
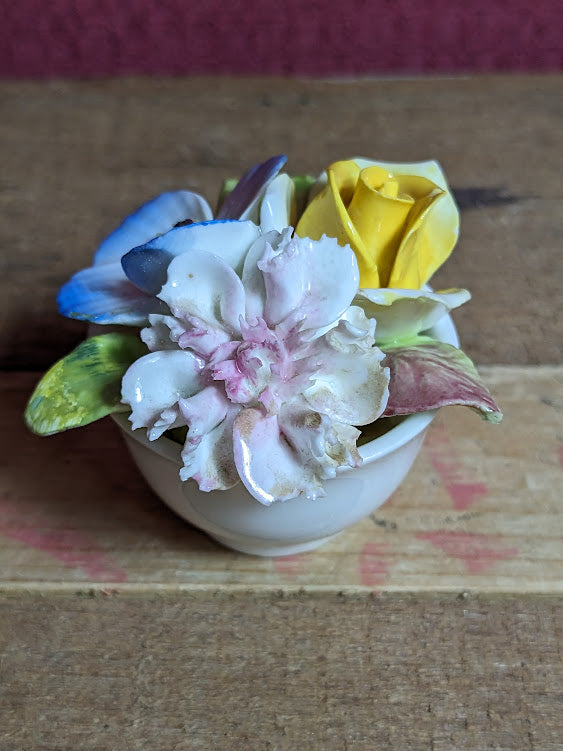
[103, 294]
[242, 200]
[147, 265]
[152, 219]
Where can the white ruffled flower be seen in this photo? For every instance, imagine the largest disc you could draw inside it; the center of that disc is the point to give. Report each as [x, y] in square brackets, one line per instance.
[264, 361]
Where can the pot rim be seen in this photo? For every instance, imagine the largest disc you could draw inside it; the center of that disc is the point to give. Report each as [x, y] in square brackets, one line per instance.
[410, 427]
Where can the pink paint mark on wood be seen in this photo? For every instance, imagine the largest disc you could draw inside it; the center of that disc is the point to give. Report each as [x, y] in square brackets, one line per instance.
[561, 454]
[290, 565]
[70, 547]
[373, 565]
[459, 485]
[464, 494]
[477, 551]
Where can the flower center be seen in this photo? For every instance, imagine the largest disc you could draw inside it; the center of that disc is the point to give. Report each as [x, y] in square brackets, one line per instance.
[254, 365]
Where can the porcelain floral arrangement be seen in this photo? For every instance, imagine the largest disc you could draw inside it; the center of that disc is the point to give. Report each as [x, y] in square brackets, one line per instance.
[267, 336]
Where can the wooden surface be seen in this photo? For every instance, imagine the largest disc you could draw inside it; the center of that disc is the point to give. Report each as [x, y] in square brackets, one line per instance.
[280, 672]
[77, 158]
[478, 512]
[434, 624]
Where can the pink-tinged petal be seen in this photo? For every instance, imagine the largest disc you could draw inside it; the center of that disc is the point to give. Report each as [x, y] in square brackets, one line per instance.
[239, 384]
[354, 332]
[278, 204]
[318, 277]
[350, 389]
[342, 445]
[269, 467]
[403, 313]
[155, 383]
[201, 337]
[242, 201]
[210, 461]
[203, 285]
[247, 369]
[432, 375]
[163, 333]
[319, 441]
[103, 294]
[153, 218]
[168, 419]
[350, 384]
[203, 411]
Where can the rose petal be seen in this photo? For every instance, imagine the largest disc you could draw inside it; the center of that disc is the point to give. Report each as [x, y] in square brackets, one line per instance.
[432, 375]
[203, 285]
[152, 219]
[269, 468]
[103, 294]
[155, 383]
[419, 257]
[403, 313]
[430, 232]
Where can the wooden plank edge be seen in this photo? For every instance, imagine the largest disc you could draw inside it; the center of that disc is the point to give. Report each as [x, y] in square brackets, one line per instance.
[555, 589]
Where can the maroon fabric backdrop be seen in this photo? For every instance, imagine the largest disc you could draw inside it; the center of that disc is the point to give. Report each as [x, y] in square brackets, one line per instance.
[43, 38]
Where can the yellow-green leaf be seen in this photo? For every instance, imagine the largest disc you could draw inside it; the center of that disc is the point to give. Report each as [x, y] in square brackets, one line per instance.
[85, 385]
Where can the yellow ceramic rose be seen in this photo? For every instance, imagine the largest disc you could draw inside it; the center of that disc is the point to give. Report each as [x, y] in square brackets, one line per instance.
[400, 219]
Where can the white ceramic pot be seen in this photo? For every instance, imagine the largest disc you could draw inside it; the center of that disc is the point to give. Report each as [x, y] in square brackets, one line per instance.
[237, 520]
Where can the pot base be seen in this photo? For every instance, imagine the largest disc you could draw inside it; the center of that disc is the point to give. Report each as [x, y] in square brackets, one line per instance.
[267, 549]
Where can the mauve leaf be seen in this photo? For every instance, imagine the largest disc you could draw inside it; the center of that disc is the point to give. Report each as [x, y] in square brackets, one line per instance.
[85, 385]
[240, 202]
[434, 374]
[302, 185]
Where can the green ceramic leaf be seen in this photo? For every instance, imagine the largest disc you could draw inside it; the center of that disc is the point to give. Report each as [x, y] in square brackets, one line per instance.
[403, 313]
[226, 188]
[85, 385]
[302, 184]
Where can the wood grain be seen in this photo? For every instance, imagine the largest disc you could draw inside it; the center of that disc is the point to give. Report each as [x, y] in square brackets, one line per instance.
[315, 673]
[434, 624]
[77, 157]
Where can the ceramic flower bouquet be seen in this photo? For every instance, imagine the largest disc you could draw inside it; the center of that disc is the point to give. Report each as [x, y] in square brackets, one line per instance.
[265, 337]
